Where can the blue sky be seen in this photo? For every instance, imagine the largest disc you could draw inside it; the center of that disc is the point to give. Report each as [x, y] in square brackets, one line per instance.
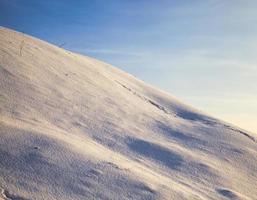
[203, 52]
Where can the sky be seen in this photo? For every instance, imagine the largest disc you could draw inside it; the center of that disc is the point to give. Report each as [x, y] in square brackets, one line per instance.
[202, 51]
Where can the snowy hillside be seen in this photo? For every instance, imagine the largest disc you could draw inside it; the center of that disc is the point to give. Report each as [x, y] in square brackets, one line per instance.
[72, 127]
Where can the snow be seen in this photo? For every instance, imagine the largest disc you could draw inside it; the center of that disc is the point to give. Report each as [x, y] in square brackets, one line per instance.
[72, 127]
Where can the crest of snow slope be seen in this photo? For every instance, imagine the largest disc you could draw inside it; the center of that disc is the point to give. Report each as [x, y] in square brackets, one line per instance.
[72, 127]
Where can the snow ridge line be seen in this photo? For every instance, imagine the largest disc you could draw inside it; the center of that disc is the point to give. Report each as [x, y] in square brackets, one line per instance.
[145, 99]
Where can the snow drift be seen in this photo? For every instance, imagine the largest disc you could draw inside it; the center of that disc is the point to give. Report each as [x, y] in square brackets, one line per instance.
[72, 127]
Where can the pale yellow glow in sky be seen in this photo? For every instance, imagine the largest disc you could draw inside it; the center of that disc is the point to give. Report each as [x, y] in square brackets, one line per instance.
[247, 122]
[239, 111]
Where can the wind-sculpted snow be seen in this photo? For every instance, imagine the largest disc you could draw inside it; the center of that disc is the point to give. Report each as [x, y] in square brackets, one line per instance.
[157, 153]
[72, 127]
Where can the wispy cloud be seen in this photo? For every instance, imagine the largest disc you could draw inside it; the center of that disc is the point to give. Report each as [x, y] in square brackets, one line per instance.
[110, 52]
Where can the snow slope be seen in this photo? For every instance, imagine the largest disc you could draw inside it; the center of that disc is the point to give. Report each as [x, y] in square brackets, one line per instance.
[72, 127]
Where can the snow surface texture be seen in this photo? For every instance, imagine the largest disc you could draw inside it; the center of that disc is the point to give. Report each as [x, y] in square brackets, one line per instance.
[72, 127]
